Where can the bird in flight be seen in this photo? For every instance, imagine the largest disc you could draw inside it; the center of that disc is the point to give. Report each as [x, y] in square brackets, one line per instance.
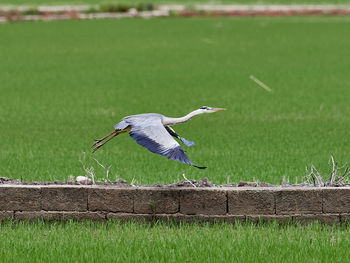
[153, 131]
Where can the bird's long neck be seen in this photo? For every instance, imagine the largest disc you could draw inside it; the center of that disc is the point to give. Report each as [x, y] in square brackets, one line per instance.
[172, 121]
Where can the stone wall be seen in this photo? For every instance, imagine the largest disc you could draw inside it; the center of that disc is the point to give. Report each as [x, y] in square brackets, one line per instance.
[62, 202]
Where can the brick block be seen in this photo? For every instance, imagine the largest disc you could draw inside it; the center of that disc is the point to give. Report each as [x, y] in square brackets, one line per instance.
[336, 200]
[64, 199]
[156, 201]
[251, 202]
[299, 201]
[203, 201]
[111, 199]
[20, 198]
[59, 216]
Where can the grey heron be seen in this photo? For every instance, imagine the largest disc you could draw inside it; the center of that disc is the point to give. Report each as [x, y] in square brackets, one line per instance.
[153, 131]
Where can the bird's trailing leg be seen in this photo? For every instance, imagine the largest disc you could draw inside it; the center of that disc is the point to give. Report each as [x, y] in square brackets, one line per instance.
[100, 140]
[98, 145]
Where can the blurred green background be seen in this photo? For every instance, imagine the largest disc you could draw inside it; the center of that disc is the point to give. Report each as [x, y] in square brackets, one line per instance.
[66, 83]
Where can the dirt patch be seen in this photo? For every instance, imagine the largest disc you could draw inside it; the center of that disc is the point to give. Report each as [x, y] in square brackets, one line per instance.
[5, 180]
[123, 183]
[270, 13]
[188, 183]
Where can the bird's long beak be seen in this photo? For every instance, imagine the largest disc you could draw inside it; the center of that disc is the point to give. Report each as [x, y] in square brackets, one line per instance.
[218, 109]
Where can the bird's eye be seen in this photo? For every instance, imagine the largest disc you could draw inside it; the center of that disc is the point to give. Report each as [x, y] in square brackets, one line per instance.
[204, 108]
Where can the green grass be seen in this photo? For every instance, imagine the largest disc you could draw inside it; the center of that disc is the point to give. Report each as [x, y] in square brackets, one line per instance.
[159, 2]
[115, 242]
[64, 84]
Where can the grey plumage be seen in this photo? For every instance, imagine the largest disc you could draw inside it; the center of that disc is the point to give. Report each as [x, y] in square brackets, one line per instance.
[148, 131]
[153, 131]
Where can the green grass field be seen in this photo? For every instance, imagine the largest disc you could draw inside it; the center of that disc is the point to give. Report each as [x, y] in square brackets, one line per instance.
[64, 84]
[115, 242]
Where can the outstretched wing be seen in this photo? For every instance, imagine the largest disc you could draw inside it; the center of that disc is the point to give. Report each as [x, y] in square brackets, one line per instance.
[151, 134]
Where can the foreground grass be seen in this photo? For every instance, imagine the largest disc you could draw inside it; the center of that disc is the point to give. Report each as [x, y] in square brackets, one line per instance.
[65, 83]
[130, 242]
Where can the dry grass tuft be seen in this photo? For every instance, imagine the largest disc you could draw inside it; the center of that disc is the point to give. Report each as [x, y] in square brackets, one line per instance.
[338, 175]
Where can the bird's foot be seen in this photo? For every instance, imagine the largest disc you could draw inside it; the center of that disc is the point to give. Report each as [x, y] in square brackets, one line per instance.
[97, 146]
[96, 141]
[104, 138]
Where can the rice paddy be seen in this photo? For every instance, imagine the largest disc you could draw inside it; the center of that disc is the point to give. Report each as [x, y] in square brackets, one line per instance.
[132, 242]
[66, 83]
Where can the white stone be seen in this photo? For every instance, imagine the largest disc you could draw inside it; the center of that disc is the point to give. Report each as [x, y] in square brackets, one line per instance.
[132, 11]
[83, 180]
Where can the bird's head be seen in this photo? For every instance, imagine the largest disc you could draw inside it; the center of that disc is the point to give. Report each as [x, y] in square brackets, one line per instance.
[206, 109]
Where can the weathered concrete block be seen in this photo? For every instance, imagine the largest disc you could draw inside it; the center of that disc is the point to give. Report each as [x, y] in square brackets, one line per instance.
[20, 198]
[327, 205]
[156, 201]
[130, 217]
[251, 202]
[336, 200]
[6, 215]
[299, 201]
[322, 218]
[64, 198]
[111, 200]
[59, 216]
[203, 201]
